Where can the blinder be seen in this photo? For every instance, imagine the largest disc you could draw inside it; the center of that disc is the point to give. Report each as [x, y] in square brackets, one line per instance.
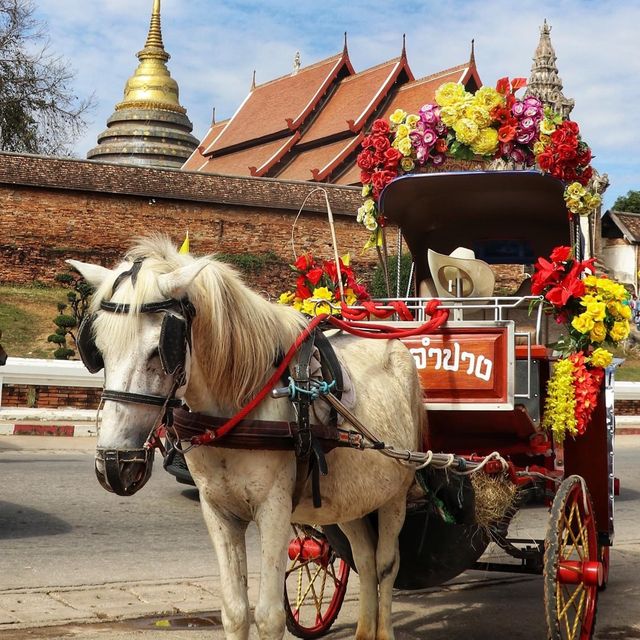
[172, 347]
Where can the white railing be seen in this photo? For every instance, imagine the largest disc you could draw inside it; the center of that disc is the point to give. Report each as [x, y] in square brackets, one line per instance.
[54, 373]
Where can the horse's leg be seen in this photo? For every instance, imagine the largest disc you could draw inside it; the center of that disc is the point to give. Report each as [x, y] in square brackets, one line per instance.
[227, 534]
[273, 519]
[390, 520]
[362, 541]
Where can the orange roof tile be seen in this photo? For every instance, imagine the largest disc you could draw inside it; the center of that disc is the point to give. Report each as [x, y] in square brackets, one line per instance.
[197, 158]
[280, 104]
[254, 161]
[318, 162]
[354, 99]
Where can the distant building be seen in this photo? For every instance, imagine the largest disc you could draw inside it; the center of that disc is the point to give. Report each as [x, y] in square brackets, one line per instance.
[308, 125]
[149, 127]
[621, 246]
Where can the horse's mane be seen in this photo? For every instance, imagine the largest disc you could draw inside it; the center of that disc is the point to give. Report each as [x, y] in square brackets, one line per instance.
[237, 334]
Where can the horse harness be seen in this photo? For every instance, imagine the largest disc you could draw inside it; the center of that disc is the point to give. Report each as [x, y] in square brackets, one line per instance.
[309, 441]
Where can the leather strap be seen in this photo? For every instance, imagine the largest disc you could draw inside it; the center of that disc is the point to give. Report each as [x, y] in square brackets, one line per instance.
[141, 398]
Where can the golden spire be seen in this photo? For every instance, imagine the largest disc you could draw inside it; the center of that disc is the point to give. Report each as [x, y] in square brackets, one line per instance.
[151, 86]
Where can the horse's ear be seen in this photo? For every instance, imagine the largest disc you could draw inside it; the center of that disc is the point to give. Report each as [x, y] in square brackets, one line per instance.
[175, 284]
[94, 274]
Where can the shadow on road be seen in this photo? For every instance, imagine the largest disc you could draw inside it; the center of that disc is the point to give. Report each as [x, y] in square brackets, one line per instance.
[18, 521]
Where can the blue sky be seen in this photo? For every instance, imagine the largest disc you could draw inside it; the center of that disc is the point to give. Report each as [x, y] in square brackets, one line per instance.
[215, 46]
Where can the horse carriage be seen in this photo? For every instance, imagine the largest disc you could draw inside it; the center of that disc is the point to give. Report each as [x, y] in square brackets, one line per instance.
[484, 376]
[171, 329]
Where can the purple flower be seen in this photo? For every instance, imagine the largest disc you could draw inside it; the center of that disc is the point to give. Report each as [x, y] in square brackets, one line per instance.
[526, 124]
[533, 112]
[517, 109]
[421, 154]
[532, 101]
[429, 137]
[518, 155]
[429, 113]
[506, 148]
[525, 137]
[438, 159]
[441, 128]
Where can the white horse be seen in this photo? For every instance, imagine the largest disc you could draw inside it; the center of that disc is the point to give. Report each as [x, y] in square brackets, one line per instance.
[236, 338]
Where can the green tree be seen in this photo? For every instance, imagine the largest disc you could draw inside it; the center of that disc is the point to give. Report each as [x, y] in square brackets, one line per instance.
[378, 288]
[39, 112]
[71, 313]
[629, 203]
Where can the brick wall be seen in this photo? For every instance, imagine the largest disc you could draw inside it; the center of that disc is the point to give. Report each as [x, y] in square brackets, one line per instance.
[49, 397]
[52, 209]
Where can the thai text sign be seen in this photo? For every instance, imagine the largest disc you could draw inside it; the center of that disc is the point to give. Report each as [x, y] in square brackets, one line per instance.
[465, 365]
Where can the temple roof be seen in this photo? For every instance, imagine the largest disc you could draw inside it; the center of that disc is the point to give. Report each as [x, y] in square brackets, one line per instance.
[149, 126]
[308, 125]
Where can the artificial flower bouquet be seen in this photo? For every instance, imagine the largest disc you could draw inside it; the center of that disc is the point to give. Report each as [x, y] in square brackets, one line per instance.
[596, 313]
[318, 286]
[490, 124]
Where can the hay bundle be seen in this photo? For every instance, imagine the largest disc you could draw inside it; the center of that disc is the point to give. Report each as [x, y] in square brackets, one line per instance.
[495, 498]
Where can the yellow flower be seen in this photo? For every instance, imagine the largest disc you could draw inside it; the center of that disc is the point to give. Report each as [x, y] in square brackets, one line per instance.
[601, 358]
[598, 333]
[560, 403]
[488, 98]
[547, 127]
[619, 331]
[478, 114]
[597, 310]
[349, 297]
[369, 205]
[287, 298]
[449, 115]
[412, 120]
[322, 292]
[538, 147]
[407, 164]
[466, 130]
[450, 93]
[366, 190]
[402, 131]
[590, 282]
[398, 116]
[404, 146]
[297, 304]
[582, 323]
[370, 222]
[575, 189]
[486, 143]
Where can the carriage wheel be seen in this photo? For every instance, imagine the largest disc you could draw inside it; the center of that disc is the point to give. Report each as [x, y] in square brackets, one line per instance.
[572, 569]
[315, 584]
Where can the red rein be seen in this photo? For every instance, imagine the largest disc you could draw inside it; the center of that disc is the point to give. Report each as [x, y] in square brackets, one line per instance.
[351, 325]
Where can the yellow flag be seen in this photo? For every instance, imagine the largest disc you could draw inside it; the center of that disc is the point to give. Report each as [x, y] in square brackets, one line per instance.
[185, 245]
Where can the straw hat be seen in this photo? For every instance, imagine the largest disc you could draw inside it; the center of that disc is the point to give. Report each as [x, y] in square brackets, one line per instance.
[475, 278]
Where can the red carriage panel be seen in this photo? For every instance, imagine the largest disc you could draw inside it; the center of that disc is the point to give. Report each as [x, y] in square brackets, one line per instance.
[462, 366]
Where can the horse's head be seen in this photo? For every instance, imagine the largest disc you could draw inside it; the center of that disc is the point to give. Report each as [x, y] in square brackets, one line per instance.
[139, 330]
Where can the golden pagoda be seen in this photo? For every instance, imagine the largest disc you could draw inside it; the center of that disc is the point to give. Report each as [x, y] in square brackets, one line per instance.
[149, 127]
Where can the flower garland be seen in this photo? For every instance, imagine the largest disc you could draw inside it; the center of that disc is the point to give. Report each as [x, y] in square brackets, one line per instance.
[596, 311]
[318, 286]
[490, 124]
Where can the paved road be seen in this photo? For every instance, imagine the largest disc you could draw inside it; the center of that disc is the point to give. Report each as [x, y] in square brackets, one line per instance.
[72, 553]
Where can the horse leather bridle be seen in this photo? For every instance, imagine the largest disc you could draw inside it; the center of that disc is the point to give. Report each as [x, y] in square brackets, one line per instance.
[175, 339]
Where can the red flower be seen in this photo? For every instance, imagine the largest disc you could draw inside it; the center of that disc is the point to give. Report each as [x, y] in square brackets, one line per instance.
[365, 177]
[365, 160]
[506, 133]
[502, 86]
[314, 275]
[302, 291]
[380, 126]
[441, 145]
[381, 143]
[303, 262]
[392, 157]
[560, 254]
[381, 179]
